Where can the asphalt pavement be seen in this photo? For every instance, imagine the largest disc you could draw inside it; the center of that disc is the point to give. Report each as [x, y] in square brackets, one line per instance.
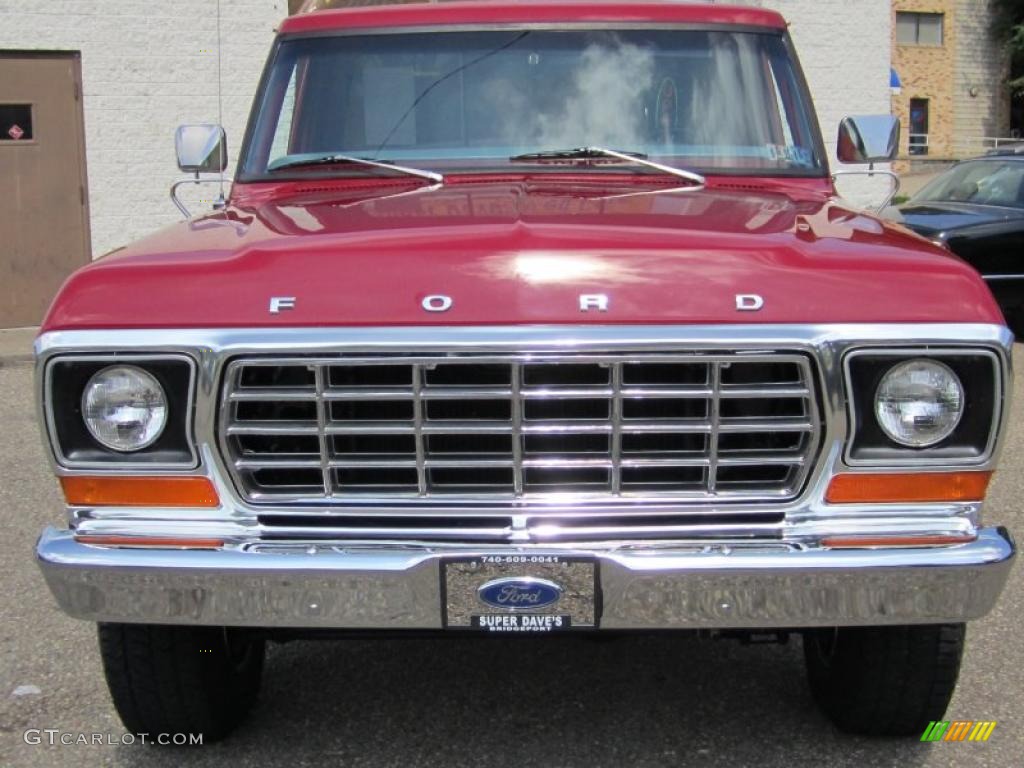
[562, 702]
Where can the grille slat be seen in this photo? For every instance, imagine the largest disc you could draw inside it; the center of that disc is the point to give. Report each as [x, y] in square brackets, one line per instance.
[277, 395]
[421, 447]
[386, 461]
[273, 428]
[688, 426]
[716, 426]
[322, 417]
[517, 431]
[616, 447]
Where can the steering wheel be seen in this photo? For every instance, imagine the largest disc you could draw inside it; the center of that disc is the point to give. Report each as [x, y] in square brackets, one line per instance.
[666, 112]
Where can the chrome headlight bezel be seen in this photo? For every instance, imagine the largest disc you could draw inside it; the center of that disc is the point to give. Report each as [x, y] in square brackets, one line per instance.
[971, 443]
[65, 379]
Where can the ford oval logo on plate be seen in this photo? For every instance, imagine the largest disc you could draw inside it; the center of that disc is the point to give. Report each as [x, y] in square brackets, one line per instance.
[520, 593]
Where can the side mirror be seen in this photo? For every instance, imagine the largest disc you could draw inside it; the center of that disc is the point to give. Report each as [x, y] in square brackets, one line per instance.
[201, 148]
[868, 139]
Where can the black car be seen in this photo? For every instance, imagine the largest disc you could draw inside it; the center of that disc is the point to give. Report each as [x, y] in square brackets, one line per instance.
[976, 208]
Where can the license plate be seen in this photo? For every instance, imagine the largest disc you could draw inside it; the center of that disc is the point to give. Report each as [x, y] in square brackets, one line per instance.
[515, 594]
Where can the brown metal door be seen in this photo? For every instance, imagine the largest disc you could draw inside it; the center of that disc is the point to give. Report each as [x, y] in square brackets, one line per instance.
[44, 217]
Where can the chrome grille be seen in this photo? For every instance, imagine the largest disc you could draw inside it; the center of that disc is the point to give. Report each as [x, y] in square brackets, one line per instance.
[616, 427]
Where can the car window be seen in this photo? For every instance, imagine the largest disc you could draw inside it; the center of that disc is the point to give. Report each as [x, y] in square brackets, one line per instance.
[709, 99]
[984, 182]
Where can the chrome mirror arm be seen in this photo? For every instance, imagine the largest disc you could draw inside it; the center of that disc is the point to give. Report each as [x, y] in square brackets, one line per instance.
[871, 172]
[218, 204]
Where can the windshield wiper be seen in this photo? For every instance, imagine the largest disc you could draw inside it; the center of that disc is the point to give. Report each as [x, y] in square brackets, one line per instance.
[302, 161]
[593, 153]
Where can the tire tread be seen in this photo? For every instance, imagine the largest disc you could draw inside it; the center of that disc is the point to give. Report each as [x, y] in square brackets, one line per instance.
[171, 679]
[886, 681]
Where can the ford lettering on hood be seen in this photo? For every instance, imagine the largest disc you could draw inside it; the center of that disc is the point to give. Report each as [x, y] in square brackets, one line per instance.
[529, 250]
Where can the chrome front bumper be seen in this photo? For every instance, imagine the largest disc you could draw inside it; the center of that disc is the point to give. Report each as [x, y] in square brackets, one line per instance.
[649, 586]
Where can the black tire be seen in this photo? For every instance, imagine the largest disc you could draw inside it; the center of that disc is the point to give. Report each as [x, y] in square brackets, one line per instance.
[181, 680]
[884, 681]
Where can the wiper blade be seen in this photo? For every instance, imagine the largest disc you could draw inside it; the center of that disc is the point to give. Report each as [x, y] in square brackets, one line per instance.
[305, 161]
[592, 153]
[582, 153]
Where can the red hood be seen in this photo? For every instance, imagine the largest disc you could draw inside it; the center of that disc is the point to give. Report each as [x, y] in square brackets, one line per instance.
[517, 250]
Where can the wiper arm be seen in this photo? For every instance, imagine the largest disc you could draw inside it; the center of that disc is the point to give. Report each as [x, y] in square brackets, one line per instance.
[590, 153]
[334, 159]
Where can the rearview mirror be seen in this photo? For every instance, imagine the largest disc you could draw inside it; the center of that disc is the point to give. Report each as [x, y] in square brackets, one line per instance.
[868, 139]
[201, 148]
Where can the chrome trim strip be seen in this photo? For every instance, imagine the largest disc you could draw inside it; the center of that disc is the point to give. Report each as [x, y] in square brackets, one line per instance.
[394, 586]
[544, 527]
[1002, 277]
[302, 341]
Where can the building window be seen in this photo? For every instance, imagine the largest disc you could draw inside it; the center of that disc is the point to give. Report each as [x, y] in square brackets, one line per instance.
[919, 28]
[15, 122]
[918, 126]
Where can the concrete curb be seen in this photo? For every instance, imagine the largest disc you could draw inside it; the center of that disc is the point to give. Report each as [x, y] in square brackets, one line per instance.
[16, 345]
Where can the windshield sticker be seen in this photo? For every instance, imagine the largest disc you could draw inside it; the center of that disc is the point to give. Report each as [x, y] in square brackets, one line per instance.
[788, 153]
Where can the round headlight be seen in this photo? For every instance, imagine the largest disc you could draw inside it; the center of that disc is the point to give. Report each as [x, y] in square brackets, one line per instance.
[124, 408]
[919, 403]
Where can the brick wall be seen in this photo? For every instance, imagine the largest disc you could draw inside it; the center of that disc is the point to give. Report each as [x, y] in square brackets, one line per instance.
[963, 79]
[928, 72]
[147, 67]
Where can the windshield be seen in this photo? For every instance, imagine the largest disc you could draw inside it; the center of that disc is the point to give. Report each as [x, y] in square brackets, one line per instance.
[984, 182]
[710, 100]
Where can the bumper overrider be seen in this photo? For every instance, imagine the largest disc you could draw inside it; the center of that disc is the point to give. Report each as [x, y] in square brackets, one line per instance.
[376, 586]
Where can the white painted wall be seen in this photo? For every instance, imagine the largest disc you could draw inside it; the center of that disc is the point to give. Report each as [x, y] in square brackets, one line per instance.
[845, 47]
[147, 66]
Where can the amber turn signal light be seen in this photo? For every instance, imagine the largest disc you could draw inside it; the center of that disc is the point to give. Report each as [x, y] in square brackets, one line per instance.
[139, 492]
[925, 487]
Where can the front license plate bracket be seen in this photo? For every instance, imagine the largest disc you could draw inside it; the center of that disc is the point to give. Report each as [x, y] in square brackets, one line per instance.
[495, 593]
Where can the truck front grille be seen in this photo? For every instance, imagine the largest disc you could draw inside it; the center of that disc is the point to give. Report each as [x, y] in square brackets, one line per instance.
[511, 429]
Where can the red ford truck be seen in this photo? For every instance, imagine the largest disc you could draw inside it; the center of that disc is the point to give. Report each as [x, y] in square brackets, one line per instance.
[527, 318]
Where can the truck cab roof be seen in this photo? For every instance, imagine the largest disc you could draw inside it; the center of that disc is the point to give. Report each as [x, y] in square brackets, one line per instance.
[397, 15]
